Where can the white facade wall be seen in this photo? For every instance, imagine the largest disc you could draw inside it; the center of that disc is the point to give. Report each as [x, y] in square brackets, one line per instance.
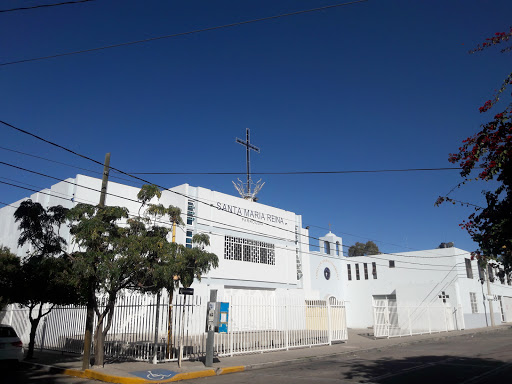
[418, 278]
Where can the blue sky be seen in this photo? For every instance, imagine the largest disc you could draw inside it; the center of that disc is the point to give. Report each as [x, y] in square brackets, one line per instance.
[384, 84]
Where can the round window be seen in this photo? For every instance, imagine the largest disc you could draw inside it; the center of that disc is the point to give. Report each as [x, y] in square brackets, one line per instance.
[327, 273]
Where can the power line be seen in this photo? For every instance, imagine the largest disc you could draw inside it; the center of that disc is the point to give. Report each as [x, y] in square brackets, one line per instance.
[44, 5]
[140, 179]
[343, 259]
[61, 163]
[353, 259]
[301, 172]
[185, 33]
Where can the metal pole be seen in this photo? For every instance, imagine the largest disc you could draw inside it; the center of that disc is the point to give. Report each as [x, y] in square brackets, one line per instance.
[211, 334]
[491, 312]
[90, 299]
[248, 162]
[155, 340]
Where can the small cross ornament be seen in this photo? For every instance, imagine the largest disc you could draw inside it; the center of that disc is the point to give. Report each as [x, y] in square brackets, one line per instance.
[444, 296]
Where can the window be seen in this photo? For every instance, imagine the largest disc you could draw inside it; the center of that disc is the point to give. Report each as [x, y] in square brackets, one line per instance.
[188, 240]
[190, 213]
[391, 263]
[253, 251]
[349, 271]
[357, 271]
[374, 270]
[474, 306]
[469, 271]
[365, 265]
[327, 247]
[481, 273]
[337, 248]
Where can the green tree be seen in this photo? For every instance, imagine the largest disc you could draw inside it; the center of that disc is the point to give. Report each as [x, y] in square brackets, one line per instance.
[9, 270]
[363, 249]
[43, 278]
[490, 152]
[135, 256]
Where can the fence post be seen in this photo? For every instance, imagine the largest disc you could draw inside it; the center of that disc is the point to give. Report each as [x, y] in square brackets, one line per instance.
[286, 325]
[409, 316]
[445, 320]
[11, 314]
[155, 340]
[329, 323]
[429, 323]
[43, 333]
[230, 320]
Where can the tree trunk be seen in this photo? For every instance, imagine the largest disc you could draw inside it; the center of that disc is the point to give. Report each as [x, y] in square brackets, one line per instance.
[33, 329]
[100, 333]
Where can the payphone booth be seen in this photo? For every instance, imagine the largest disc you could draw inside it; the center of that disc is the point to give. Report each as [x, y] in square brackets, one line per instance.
[217, 317]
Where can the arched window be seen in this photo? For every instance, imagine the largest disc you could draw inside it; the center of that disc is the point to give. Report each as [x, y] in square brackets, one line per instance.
[327, 247]
[337, 248]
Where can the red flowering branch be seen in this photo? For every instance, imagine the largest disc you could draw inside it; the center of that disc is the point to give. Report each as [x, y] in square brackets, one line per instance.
[490, 151]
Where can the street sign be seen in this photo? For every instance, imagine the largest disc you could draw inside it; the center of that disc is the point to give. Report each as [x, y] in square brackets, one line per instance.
[186, 291]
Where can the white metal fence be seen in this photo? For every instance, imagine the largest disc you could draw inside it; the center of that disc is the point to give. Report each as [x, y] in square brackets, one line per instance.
[256, 324]
[392, 320]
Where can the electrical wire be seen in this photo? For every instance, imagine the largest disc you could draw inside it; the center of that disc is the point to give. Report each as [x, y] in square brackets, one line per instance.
[136, 177]
[44, 5]
[184, 33]
[301, 172]
[61, 163]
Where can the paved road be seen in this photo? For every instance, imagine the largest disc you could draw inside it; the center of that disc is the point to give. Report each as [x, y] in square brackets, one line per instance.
[483, 358]
[23, 374]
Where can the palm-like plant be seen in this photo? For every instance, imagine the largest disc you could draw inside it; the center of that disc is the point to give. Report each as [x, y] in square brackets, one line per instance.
[174, 214]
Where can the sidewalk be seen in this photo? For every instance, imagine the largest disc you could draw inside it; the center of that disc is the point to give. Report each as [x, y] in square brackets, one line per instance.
[135, 372]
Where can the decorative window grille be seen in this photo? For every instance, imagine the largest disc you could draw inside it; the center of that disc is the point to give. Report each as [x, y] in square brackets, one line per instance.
[469, 271]
[365, 265]
[474, 305]
[188, 239]
[357, 272]
[349, 272]
[253, 251]
[374, 270]
[191, 210]
[391, 263]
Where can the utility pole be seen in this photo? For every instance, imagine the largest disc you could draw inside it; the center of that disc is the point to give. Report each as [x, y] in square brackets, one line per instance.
[90, 299]
[489, 296]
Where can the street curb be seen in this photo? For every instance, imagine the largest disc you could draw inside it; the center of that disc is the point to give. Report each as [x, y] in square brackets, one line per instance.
[92, 374]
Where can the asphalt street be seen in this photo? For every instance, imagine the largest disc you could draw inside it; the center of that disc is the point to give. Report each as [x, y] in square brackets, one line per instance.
[23, 373]
[482, 358]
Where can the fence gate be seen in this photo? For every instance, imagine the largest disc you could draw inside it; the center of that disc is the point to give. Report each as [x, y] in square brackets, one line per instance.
[392, 320]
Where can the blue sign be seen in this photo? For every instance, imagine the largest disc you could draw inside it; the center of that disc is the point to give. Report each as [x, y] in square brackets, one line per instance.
[155, 374]
[223, 317]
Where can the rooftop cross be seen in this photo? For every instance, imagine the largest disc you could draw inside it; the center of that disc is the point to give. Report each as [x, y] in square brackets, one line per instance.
[247, 194]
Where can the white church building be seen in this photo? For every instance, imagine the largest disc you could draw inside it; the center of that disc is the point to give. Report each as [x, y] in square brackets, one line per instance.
[265, 252]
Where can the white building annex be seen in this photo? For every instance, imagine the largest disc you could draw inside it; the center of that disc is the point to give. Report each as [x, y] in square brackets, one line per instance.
[264, 252]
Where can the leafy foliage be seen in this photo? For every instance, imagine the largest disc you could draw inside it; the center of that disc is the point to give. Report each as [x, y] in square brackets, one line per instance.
[43, 278]
[363, 249]
[490, 151]
[9, 270]
[135, 255]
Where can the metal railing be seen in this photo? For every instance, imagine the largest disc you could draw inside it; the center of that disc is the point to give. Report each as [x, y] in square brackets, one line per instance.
[392, 320]
[256, 324]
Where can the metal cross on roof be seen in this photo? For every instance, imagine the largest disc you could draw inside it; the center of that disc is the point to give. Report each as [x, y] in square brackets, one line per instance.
[444, 296]
[247, 194]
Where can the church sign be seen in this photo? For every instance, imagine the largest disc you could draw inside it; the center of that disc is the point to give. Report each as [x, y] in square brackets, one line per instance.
[249, 214]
